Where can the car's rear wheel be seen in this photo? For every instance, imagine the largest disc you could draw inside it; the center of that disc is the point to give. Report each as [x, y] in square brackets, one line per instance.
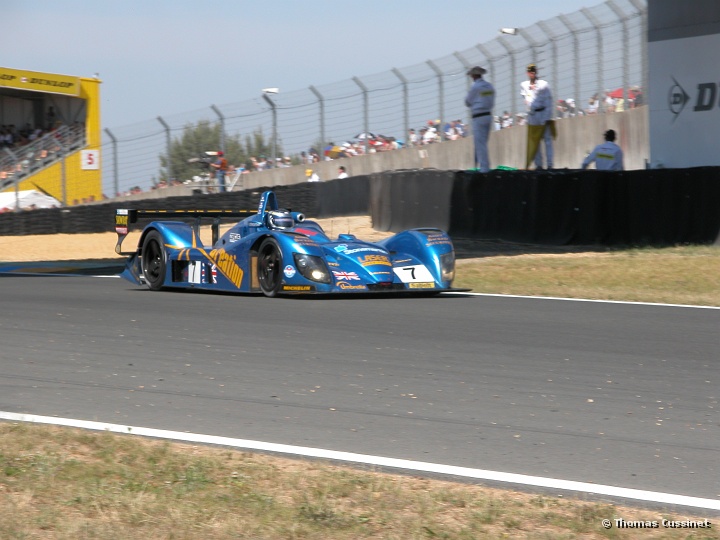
[269, 267]
[154, 260]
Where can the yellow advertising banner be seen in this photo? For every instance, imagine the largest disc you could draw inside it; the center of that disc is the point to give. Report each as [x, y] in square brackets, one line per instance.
[39, 82]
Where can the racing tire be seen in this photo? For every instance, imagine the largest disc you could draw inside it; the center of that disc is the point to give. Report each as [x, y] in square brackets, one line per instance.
[269, 267]
[154, 260]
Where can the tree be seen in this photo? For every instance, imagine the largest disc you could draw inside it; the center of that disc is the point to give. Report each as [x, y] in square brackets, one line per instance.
[203, 137]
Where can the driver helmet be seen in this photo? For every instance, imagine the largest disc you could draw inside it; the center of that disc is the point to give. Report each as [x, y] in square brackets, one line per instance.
[280, 219]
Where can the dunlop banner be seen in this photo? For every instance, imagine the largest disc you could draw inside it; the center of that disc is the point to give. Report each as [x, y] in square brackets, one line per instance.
[39, 82]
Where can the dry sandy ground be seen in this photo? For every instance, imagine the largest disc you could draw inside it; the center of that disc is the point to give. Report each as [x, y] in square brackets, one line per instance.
[68, 247]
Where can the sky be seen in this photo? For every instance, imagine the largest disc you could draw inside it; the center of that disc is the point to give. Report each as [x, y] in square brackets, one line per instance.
[164, 57]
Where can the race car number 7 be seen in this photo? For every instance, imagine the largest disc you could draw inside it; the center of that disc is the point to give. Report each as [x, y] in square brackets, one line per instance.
[413, 274]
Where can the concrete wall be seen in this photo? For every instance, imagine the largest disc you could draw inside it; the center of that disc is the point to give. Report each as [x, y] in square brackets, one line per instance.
[576, 138]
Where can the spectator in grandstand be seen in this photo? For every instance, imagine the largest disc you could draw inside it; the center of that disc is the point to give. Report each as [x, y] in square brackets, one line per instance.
[262, 163]
[430, 134]
[220, 167]
[50, 118]
[609, 102]
[571, 108]
[480, 100]
[607, 156]
[342, 173]
[620, 104]
[593, 104]
[412, 138]
[506, 120]
[541, 128]
[637, 96]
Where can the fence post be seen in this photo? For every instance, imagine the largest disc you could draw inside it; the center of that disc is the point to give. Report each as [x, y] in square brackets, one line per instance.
[321, 103]
[441, 92]
[513, 75]
[596, 23]
[576, 46]
[406, 113]
[116, 183]
[643, 42]
[468, 84]
[626, 53]
[366, 110]
[222, 127]
[167, 143]
[546, 30]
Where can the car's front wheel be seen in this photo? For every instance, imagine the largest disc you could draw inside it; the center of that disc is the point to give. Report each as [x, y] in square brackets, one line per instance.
[154, 260]
[269, 267]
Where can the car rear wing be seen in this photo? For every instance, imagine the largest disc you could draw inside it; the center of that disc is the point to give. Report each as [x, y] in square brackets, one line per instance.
[125, 217]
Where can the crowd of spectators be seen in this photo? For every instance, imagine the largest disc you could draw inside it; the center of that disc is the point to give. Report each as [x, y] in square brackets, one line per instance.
[31, 147]
[610, 101]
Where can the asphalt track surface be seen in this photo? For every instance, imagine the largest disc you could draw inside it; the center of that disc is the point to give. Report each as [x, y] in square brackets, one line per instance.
[606, 393]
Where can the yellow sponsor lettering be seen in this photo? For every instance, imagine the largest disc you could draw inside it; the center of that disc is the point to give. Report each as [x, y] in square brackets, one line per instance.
[227, 266]
[371, 260]
[346, 286]
[421, 285]
[298, 288]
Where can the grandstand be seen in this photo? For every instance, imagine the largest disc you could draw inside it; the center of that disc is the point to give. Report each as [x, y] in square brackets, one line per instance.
[50, 135]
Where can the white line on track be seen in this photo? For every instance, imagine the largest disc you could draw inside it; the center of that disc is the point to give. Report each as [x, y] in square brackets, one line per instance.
[349, 457]
[583, 300]
[557, 298]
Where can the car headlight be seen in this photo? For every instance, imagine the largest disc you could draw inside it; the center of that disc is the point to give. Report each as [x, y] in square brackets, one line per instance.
[312, 267]
[447, 266]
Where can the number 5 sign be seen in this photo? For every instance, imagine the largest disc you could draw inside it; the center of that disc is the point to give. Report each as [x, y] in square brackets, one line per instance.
[90, 160]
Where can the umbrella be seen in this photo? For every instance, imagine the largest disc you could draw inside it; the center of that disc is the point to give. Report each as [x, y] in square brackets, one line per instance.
[616, 94]
[365, 135]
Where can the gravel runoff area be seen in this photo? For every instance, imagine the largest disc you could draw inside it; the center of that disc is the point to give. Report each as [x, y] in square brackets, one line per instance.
[101, 246]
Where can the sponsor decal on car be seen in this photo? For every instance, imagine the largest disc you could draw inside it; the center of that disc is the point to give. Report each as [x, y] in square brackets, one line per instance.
[372, 260]
[421, 285]
[298, 288]
[347, 286]
[438, 239]
[362, 250]
[341, 248]
[289, 271]
[227, 265]
[122, 220]
[308, 232]
[304, 240]
[235, 237]
[349, 276]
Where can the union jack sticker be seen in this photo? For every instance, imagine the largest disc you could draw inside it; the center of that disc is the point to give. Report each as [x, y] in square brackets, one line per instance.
[348, 276]
[213, 274]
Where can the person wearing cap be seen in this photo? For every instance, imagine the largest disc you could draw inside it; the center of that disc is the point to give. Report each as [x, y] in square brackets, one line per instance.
[481, 100]
[342, 172]
[540, 106]
[221, 166]
[311, 175]
[607, 156]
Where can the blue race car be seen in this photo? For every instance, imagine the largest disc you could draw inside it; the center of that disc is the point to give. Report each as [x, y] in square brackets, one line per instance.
[277, 252]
